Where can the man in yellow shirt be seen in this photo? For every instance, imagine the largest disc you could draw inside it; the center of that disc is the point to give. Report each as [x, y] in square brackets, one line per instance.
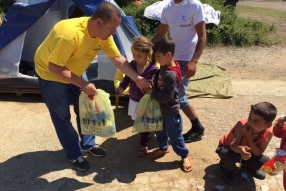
[60, 61]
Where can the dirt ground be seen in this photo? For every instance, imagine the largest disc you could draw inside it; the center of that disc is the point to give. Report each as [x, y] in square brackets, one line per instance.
[26, 133]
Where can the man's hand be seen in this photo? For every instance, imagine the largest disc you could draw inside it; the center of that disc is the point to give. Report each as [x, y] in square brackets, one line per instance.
[88, 88]
[142, 83]
[119, 91]
[190, 69]
[245, 152]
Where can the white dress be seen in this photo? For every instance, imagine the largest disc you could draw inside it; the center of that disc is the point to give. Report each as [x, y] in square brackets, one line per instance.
[132, 108]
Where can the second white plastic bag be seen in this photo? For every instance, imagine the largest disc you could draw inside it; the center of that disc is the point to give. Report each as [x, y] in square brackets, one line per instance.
[148, 116]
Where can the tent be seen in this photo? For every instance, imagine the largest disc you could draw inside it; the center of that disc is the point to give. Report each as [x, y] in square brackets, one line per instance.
[26, 25]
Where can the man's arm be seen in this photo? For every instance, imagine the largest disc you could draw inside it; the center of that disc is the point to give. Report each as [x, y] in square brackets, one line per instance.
[191, 68]
[122, 64]
[65, 74]
[160, 33]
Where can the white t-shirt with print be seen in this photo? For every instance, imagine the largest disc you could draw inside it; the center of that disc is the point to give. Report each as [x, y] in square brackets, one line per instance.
[182, 19]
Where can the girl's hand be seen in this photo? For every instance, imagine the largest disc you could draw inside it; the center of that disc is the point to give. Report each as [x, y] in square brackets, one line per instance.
[119, 91]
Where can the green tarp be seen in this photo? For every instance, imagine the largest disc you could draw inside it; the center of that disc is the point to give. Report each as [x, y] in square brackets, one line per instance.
[210, 81]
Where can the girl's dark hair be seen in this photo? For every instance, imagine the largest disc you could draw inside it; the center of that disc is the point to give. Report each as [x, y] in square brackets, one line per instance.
[266, 110]
[105, 11]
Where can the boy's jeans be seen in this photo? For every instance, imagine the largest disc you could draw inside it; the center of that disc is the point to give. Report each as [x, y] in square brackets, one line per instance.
[172, 128]
[58, 97]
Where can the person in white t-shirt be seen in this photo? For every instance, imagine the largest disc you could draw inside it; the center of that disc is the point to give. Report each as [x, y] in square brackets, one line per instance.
[185, 19]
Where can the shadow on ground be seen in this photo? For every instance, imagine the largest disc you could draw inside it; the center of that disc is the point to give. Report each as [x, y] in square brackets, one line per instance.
[27, 171]
[24, 171]
[213, 178]
[121, 162]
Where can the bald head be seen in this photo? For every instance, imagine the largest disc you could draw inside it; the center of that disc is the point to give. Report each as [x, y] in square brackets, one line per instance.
[105, 12]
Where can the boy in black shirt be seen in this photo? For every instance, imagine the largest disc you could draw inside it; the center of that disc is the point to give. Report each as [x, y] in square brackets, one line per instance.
[166, 88]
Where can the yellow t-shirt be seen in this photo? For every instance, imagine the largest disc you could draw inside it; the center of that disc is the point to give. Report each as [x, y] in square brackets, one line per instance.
[69, 44]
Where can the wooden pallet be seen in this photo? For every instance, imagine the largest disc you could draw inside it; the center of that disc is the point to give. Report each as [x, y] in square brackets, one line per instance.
[20, 91]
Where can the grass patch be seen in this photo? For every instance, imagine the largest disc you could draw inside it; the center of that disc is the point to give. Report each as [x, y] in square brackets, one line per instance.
[240, 9]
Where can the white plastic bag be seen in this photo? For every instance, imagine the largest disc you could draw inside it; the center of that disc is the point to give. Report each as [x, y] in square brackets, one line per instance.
[96, 114]
[148, 116]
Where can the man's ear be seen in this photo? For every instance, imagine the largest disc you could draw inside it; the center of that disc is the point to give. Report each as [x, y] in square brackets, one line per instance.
[98, 22]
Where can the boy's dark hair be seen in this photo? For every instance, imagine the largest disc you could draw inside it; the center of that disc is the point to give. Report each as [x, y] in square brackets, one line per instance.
[266, 110]
[164, 45]
[105, 11]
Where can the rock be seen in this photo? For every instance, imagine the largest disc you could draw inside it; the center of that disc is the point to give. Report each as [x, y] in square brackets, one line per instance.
[219, 187]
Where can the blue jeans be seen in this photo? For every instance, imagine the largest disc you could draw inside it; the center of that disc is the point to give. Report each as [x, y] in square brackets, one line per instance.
[172, 128]
[57, 97]
[184, 102]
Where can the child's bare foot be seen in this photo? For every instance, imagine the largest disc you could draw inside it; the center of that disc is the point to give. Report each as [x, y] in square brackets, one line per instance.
[187, 164]
[142, 151]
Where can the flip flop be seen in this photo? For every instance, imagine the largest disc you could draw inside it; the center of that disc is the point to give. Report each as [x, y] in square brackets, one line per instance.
[157, 153]
[142, 151]
[188, 168]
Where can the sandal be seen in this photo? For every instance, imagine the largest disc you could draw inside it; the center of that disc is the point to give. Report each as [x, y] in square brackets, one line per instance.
[142, 151]
[157, 153]
[187, 168]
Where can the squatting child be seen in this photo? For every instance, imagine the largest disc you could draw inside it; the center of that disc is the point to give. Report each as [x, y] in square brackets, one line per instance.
[279, 131]
[246, 142]
[165, 91]
[141, 50]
